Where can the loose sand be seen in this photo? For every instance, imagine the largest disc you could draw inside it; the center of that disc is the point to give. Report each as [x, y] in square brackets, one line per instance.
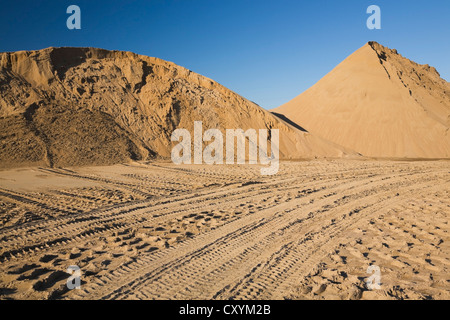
[160, 231]
[379, 104]
[152, 230]
[64, 107]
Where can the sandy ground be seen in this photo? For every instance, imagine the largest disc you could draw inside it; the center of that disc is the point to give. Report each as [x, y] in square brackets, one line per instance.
[160, 231]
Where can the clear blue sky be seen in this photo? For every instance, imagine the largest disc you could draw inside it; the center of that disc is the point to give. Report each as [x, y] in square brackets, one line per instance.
[267, 51]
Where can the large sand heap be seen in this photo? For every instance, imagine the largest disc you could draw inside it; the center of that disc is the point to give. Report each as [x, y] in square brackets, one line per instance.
[379, 104]
[81, 106]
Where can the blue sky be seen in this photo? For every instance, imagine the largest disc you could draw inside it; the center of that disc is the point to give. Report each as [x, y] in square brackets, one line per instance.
[267, 51]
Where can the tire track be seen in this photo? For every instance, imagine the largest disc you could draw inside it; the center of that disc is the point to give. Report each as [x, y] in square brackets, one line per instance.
[227, 240]
[97, 219]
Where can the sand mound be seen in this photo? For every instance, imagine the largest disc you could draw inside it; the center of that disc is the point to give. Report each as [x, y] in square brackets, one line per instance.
[80, 106]
[380, 104]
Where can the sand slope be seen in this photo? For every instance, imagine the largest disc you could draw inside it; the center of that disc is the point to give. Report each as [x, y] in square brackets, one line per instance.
[81, 106]
[380, 104]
